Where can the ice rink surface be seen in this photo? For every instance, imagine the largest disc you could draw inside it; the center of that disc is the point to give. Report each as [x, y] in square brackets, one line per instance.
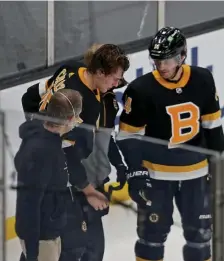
[120, 227]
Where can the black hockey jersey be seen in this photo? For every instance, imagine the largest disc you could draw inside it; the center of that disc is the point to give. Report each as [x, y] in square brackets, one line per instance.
[184, 112]
[68, 76]
[109, 109]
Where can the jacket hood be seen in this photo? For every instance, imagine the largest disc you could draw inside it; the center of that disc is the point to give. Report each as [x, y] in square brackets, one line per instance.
[30, 128]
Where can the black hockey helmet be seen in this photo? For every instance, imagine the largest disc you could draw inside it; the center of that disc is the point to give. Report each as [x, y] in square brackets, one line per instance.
[167, 43]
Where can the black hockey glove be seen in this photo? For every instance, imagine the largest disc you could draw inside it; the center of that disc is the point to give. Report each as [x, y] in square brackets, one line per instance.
[121, 179]
[121, 175]
[139, 186]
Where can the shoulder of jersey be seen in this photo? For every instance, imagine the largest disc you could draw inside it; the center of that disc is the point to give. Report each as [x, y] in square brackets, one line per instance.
[141, 83]
[200, 71]
[72, 67]
[204, 78]
[73, 70]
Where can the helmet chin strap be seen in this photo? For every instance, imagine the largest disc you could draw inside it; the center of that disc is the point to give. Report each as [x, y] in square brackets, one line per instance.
[176, 71]
[175, 74]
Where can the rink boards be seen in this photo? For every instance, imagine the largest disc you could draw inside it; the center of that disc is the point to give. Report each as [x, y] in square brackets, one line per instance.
[202, 51]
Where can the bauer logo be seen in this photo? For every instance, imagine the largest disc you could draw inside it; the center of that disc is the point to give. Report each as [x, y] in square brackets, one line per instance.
[137, 174]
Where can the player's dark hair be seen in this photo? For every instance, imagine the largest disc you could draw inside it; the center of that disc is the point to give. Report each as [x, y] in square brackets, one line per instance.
[63, 105]
[88, 55]
[108, 58]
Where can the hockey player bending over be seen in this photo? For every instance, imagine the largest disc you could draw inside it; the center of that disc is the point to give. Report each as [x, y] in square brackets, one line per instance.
[85, 199]
[177, 103]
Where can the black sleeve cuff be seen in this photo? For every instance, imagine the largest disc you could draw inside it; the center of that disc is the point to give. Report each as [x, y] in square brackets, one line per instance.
[32, 249]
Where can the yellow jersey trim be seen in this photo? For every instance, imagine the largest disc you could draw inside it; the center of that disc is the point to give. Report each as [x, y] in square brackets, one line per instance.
[169, 85]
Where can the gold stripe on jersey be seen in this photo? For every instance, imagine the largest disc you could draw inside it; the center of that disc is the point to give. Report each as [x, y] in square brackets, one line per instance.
[165, 168]
[169, 85]
[128, 128]
[165, 172]
[98, 95]
[81, 71]
[212, 120]
[211, 116]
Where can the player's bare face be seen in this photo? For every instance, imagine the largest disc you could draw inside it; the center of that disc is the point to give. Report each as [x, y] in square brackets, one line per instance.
[166, 68]
[107, 82]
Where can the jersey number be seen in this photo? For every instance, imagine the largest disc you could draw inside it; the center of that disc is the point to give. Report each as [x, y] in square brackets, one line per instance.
[184, 122]
[56, 85]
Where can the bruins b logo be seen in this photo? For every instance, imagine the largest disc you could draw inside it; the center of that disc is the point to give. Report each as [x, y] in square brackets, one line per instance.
[190, 124]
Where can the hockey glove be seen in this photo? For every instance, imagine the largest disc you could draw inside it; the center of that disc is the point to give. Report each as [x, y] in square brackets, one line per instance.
[121, 175]
[121, 179]
[139, 186]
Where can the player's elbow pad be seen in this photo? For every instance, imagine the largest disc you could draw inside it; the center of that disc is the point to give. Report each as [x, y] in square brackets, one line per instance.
[31, 100]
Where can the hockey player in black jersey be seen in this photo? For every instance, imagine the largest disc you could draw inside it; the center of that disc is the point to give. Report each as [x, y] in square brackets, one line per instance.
[105, 142]
[177, 103]
[105, 152]
[104, 72]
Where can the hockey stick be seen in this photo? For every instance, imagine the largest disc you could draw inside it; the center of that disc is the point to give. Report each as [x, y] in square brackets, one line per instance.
[114, 188]
[120, 203]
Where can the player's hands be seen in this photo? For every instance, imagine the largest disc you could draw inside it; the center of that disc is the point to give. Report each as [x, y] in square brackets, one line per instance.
[139, 186]
[97, 200]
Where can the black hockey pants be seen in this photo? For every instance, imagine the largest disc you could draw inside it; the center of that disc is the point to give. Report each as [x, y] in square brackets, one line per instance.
[193, 201]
